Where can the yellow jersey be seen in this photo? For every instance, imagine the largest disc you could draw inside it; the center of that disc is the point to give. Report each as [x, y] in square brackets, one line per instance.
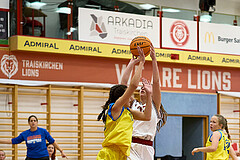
[222, 152]
[118, 132]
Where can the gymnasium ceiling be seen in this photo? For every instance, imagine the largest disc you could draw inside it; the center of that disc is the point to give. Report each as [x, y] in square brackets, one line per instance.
[222, 6]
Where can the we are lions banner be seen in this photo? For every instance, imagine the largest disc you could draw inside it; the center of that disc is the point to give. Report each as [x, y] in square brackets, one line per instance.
[115, 27]
[43, 66]
[179, 34]
[219, 38]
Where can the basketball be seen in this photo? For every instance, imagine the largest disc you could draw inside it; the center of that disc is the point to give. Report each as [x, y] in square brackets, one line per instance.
[142, 42]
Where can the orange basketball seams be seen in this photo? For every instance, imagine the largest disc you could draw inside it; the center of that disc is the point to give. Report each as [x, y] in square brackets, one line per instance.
[142, 42]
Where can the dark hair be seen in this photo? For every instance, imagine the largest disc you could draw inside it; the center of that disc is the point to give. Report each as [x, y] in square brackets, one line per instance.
[223, 121]
[54, 152]
[163, 119]
[115, 92]
[31, 117]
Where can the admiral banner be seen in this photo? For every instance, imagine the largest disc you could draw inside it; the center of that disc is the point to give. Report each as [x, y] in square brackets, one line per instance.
[219, 38]
[179, 34]
[58, 46]
[115, 27]
[23, 65]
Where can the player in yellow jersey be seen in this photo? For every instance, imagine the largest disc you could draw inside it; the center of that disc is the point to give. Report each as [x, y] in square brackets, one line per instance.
[118, 118]
[218, 146]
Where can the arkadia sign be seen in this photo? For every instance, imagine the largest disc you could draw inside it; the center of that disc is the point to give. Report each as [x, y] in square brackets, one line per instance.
[115, 27]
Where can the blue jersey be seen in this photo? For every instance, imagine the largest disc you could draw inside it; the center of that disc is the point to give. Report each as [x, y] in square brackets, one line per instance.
[35, 142]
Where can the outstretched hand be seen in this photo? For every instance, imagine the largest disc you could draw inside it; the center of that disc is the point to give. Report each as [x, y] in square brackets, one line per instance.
[141, 56]
[195, 150]
[63, 155]
[134, 60]
[152, 52]
[147, 86]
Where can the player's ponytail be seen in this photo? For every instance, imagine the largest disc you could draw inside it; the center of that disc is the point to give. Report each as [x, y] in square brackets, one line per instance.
[226, 128]
[223, 121]
[115, 92]
[163, 120]
[102, 115]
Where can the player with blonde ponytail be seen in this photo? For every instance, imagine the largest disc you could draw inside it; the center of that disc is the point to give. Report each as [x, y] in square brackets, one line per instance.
[218, 145]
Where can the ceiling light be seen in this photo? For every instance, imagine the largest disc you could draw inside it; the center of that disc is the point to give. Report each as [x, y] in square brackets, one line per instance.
[68, 33]
[64, 10]
[71, 30]
[35, 5]
[147, 6]
[170, 10]
[205, 18]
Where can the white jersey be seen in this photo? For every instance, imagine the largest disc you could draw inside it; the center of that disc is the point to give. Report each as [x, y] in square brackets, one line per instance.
[145, 129]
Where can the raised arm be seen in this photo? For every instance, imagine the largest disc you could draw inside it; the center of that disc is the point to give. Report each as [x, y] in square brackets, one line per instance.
[156, 91]
[124, 99]
[146, 115]
[128, 70]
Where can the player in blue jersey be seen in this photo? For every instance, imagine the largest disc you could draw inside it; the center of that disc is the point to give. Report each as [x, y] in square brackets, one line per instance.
[35, 139]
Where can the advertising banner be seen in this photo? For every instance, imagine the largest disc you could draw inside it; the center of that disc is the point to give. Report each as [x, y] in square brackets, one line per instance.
[115, 27]
[70, 68]
[59, 46]
[179, 34]
[219, 38]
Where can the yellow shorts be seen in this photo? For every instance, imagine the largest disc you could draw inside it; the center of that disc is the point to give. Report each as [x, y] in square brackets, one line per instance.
[111, 153]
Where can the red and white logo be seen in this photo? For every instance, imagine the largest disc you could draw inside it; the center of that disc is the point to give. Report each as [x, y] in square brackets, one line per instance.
[9, 65]
[179, 33]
